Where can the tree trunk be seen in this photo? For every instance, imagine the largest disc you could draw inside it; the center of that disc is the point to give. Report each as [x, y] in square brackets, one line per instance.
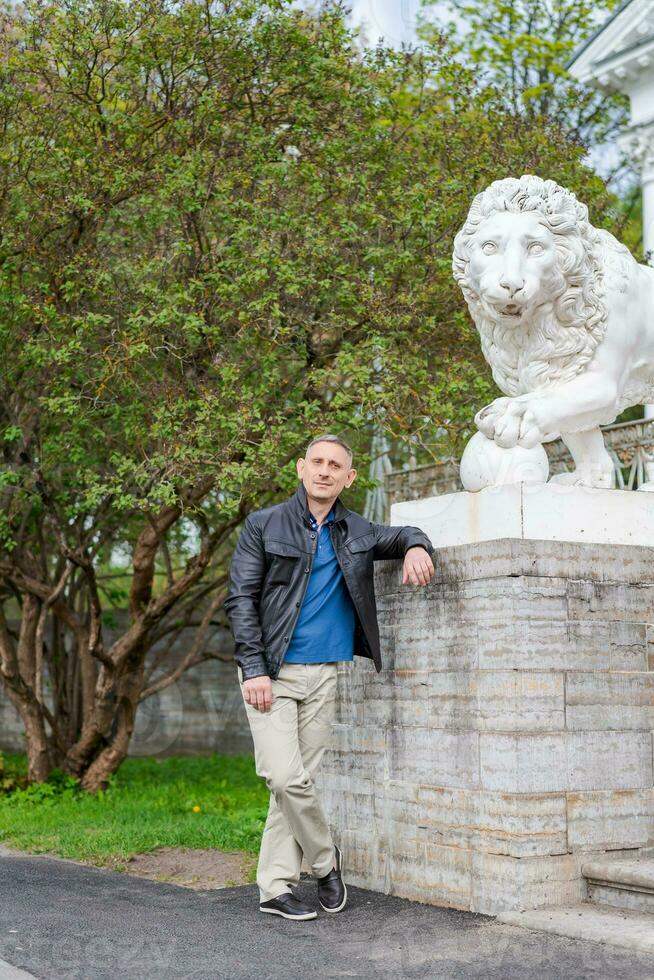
[18, 670]
[39, 761]
[110, 758]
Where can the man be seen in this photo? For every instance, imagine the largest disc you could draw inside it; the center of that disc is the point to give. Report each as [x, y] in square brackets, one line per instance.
[301, 599]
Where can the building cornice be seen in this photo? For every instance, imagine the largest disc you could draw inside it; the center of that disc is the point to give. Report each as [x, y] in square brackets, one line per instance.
[621, 51]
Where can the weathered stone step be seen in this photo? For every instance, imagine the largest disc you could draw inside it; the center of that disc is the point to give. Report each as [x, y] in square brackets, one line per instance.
[614, 927]
[625, 884]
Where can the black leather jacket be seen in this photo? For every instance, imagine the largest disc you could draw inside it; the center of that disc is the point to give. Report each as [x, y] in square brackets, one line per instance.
[270, 570]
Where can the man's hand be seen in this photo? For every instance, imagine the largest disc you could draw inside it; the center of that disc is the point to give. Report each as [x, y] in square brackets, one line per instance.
[258, 692]
[418, 567]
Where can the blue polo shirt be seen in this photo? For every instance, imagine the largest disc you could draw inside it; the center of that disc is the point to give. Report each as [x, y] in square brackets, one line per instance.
[324, 630]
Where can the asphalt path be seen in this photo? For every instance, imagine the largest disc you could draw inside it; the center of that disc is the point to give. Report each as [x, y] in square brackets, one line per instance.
[60, 920]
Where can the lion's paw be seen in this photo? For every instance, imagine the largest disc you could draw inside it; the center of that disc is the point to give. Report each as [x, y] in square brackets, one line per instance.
[583, 478]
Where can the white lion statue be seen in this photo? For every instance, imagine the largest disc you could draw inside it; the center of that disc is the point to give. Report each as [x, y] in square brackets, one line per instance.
[566, 320]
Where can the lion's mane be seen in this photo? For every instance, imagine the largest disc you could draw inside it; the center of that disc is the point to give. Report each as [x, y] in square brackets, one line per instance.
[563, 334]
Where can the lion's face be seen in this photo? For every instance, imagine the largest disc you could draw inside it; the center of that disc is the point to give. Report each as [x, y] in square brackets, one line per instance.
[513, 265]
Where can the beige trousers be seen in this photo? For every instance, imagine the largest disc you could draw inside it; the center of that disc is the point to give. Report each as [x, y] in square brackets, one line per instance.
[289, 741]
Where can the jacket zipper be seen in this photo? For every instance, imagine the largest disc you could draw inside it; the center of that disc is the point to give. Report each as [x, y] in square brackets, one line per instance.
[299, 609]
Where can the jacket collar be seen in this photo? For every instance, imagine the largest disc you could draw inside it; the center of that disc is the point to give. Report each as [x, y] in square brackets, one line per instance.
[300, 506]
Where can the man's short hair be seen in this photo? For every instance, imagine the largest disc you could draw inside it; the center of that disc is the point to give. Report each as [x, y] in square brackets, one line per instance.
[330, 438]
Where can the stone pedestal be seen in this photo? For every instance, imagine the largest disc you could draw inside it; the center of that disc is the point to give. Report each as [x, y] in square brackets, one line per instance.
[509, 737]
[538, 512]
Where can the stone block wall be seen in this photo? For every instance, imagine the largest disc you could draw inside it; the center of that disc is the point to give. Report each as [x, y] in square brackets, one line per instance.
[510, 735]
[199, 714]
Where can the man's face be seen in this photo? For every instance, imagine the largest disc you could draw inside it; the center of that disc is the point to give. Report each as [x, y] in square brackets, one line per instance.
[325, 471]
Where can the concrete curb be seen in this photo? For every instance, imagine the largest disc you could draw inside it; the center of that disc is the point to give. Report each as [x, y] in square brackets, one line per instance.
[610, 926]
[9, 972]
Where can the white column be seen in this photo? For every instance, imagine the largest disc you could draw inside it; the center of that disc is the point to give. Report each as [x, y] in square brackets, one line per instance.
[648, 230]
[639, 144]
[648, 211]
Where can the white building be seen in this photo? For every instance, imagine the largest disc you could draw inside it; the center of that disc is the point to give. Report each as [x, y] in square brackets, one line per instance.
[620, 56]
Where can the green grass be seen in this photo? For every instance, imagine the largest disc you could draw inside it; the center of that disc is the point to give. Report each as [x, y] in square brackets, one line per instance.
[148, 804]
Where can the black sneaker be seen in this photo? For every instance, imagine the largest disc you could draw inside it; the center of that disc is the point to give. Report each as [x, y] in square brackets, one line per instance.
[289, 907]
[332, 893]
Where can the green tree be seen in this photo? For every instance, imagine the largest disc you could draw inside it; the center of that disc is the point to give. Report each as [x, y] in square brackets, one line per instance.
[223, 229]
[522, 47]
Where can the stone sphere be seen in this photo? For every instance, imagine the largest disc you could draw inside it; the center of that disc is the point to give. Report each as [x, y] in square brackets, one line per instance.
[485, 464]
